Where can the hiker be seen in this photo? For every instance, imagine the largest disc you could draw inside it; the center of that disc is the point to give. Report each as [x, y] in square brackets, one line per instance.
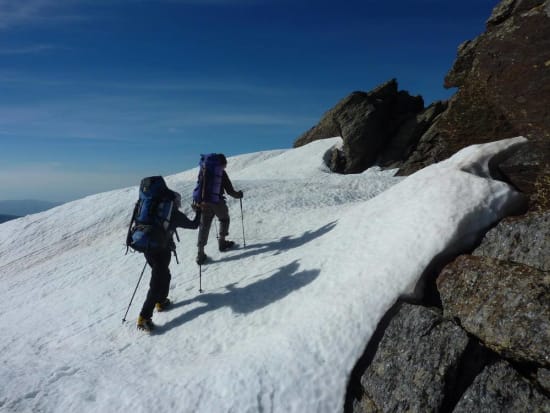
[208, 196]
[157, 216]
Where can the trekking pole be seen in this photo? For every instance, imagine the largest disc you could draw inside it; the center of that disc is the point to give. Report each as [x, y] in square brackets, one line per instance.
[242, 220]
[200, 278]
[131, 299]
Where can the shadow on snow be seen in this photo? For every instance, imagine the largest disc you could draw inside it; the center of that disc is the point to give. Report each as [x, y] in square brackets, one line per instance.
[283, 244]
[244, 300]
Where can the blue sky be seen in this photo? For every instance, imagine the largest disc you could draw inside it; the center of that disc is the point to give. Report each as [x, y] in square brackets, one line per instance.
[96, 94]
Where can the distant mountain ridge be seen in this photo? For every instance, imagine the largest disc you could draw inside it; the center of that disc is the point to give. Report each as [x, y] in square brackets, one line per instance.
[19, 208]
[6, 218]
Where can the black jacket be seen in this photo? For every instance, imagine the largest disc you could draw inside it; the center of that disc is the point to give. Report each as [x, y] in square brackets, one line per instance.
[180, 220]
[227, 187]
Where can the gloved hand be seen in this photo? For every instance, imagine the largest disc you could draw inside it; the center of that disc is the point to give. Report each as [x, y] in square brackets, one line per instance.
[239, 194]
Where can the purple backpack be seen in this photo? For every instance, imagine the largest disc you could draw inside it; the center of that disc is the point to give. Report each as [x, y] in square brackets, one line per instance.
[209, 181]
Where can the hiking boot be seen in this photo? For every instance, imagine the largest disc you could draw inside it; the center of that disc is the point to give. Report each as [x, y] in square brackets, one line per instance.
[201, 258]
[225, 245]
[145, 324]
[163, 305]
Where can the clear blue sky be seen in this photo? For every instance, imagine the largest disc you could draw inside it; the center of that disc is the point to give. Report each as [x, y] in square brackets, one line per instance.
[95, 94]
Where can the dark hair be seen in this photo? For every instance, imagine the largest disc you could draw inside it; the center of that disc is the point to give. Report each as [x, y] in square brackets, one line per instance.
[223, 160]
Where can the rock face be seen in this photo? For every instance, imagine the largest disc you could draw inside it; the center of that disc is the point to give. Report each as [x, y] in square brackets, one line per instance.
[417, 364]
[524, 240]
[506, 305]
[501, 389]
[503, 78]
[367, 122]
[405, 140]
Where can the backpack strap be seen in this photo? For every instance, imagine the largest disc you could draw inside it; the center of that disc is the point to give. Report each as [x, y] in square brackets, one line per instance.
[203, 195]
[129, 235]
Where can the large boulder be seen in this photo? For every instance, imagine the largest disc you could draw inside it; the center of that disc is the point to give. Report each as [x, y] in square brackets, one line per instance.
[417, 366]
[524, 240]
[506, 305]
[503, 78]
[500, 388]
[366, 122]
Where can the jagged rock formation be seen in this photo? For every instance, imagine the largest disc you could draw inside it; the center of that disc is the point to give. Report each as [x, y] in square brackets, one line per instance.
[402, 143]
[500, 295]
[503, 78]
[367, 122]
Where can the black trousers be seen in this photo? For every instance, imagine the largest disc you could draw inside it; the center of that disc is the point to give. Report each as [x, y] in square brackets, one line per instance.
[160, 280]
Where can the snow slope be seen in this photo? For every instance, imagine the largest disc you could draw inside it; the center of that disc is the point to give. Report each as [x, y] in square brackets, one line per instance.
[282, 320]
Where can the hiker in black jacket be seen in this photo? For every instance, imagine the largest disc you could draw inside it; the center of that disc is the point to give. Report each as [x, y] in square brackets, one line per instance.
[157, 296]
[213, 204]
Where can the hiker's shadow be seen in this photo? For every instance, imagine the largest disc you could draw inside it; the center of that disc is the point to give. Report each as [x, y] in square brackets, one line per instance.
[283, 244]
[244, 300]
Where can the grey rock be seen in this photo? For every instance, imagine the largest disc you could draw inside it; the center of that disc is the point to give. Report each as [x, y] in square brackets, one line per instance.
[524, 239]
[543, 378]
[365, 405]
[405, 140]
[416, 361]
[505, 305]
[499, 389]
[501, 12]
[366, 122]
[521, 167]
[466, 55]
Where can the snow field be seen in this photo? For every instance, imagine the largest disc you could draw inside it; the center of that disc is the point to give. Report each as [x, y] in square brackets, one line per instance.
[281, 322]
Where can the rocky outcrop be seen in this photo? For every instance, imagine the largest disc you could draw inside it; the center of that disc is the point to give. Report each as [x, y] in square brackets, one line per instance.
[400, 146]
[427, 360]
[499, 388]
[503, 78]
[505, 305]
[367, 122]
[503, 81]
[499, 296]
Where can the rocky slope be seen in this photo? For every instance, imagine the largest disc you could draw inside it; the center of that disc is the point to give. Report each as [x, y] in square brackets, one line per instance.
[478, 338]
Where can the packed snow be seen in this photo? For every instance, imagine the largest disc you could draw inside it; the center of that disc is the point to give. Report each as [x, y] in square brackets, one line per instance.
[282, 320]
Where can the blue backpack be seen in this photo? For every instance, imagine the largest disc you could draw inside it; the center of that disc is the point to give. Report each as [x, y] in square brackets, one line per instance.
[209, 181]
[150, 229]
